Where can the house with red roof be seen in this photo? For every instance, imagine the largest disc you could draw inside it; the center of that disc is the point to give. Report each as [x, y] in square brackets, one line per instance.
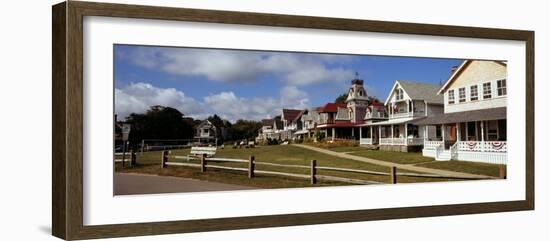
[292, 122]
[344, 120]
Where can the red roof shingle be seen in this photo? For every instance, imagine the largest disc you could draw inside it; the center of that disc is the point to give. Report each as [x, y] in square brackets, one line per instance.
[290, 114]
[331, 107]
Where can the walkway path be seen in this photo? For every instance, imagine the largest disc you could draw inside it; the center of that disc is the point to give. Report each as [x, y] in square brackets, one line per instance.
[446, 173]
[131, 183]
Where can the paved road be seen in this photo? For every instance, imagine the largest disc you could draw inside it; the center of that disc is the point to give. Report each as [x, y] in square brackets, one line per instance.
[130, 183]
[390, 164]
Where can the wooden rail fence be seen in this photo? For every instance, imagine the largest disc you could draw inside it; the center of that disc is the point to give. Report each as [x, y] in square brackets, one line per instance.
[313, 176]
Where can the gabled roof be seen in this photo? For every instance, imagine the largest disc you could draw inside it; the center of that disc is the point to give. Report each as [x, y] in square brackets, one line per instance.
[331, 107]
[290, 114]
[206, 123]
[418, 91]
[267, 122]
[299, 116]
[459, 71]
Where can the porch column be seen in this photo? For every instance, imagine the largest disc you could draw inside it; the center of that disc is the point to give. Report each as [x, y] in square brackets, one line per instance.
[353, 131]
[458, 137]
[360, 132]
[333, 133]
[408, 107]
[406, 135]
[443, 133]
[482, 132]
[412, 107]
[371, 135]
[379, 132]
[425, 131]
[391, 134]
[482, 137]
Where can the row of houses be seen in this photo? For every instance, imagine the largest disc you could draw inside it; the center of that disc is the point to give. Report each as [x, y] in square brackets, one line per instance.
[463, 119]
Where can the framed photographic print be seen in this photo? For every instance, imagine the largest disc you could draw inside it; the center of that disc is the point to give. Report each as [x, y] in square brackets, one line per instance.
[171, 120]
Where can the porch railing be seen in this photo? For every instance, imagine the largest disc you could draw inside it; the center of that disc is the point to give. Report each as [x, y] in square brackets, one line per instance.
[483, 146]
[407, 114]
[401, 141]
[365, 141]
[432, 144]
[415, 141]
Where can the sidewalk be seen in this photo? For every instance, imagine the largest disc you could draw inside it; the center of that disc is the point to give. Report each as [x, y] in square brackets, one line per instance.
[391, 164]
[130, 183]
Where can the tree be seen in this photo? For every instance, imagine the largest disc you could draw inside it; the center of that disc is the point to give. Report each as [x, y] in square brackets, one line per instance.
[159, 122]
[245, 129]
[216, 121]
[222, 127]
[341, 99]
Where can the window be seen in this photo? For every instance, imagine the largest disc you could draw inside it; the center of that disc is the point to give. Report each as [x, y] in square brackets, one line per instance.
[487, 90]
[462, 95]
[451, 94]
[473, 92]
[438, 132]
[399, 95]
[501, 87]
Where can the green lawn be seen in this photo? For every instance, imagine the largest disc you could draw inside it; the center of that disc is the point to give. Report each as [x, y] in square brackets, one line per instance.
[149, 163]
[467, 167]
[416, 159]
[389, 156]
[393, 156]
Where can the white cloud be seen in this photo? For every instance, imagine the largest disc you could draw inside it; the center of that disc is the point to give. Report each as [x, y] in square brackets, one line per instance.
[243, 66]
[139, 97]
[232, 107]
[229, 106]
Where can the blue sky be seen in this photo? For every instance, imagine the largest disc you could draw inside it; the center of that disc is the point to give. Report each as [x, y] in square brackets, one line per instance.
[254, 84]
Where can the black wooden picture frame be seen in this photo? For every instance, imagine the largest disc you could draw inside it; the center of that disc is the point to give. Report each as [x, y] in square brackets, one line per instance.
[67, 152]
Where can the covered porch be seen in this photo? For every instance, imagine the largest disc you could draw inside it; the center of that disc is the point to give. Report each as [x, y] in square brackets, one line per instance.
[398, 132]
[340, 131]
[467, 136]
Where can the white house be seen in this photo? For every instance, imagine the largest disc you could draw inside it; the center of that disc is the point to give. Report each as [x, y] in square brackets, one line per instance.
[473, 126]
[206, 132]
[407, 102]
[368, 132]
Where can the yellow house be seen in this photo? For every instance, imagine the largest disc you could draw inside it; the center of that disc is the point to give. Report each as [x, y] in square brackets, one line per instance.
[473, 124]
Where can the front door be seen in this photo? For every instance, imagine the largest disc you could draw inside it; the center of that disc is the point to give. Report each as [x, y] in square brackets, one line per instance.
[451, 136]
